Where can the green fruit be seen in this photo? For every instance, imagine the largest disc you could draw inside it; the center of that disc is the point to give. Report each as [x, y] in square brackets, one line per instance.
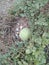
[25, 34]
[28, 51]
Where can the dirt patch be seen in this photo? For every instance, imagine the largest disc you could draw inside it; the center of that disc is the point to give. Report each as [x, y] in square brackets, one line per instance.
[4, 6]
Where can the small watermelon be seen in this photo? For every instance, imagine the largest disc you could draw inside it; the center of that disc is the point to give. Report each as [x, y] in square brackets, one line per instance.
[25, 34]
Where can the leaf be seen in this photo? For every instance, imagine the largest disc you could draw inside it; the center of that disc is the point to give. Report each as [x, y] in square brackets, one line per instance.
[38, 40]
[41, 23]
[46, 35]
[28, 51]
[47, 64]
[24, 62]
[20, 63]
[45, 41]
